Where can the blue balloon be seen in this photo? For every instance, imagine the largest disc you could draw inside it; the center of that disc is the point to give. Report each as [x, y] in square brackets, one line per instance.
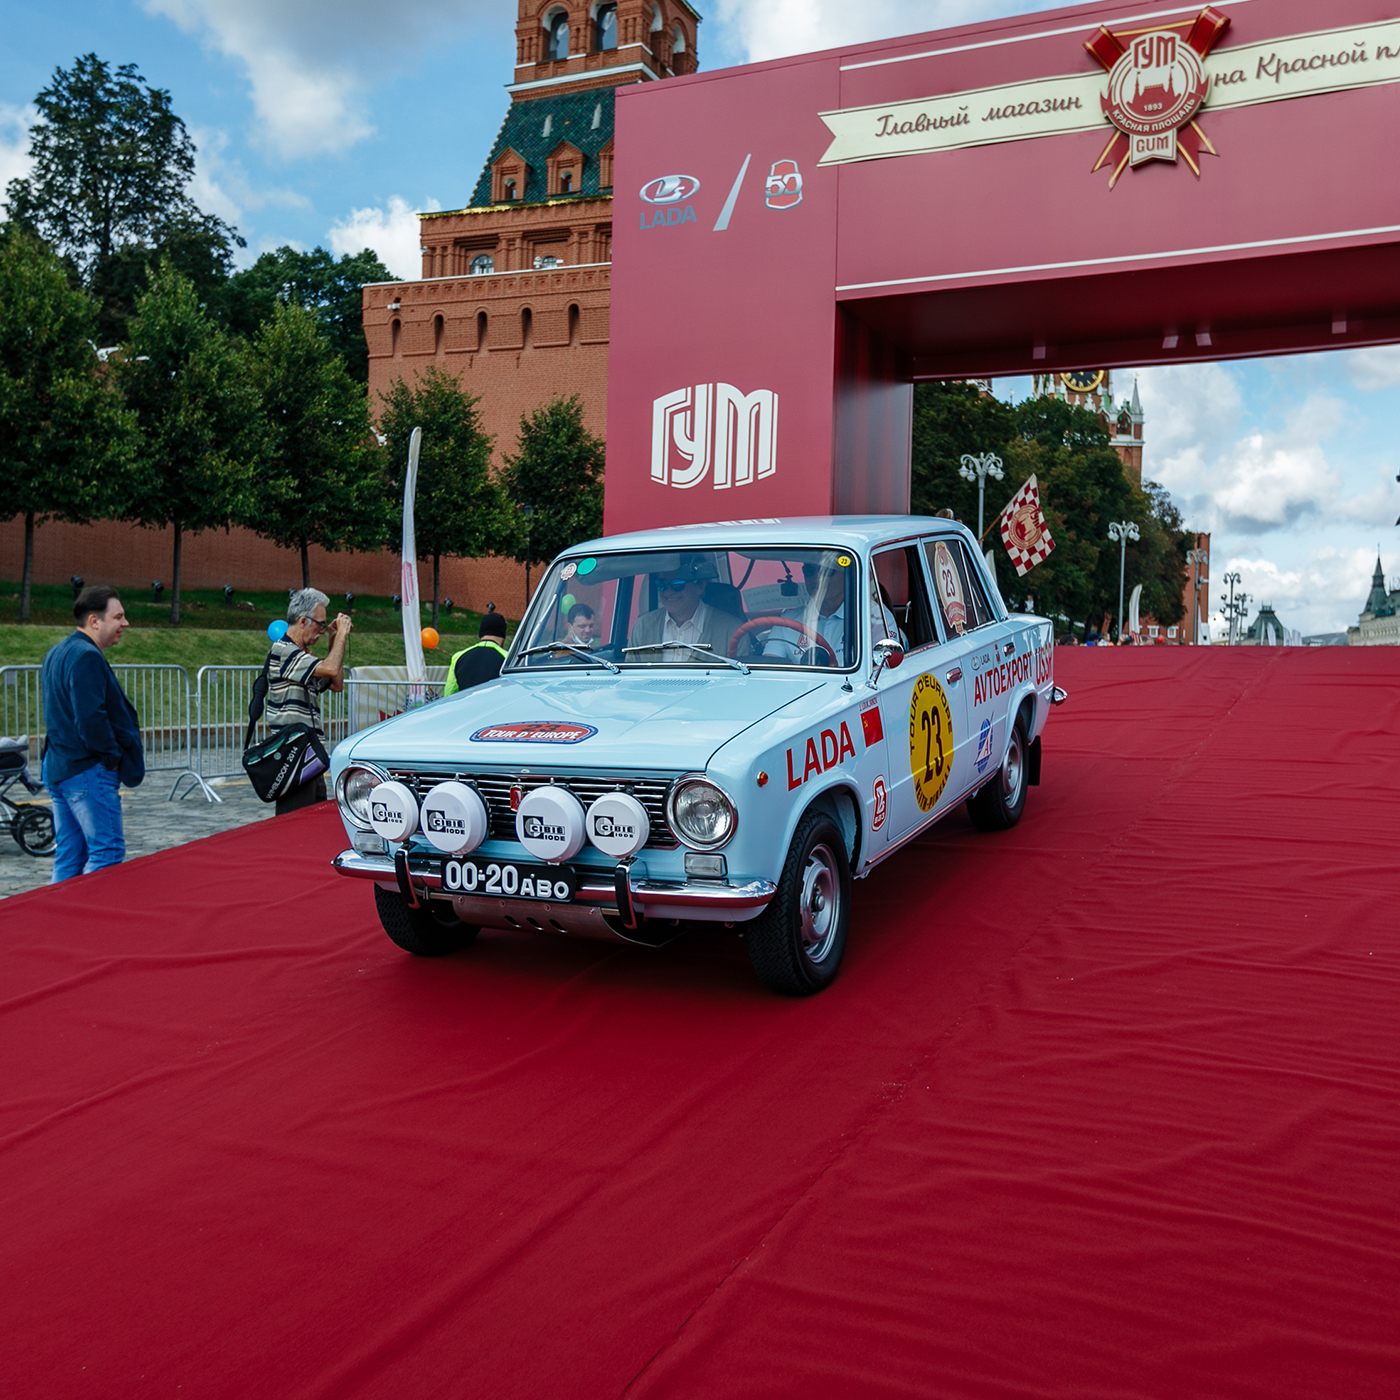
[276, 630]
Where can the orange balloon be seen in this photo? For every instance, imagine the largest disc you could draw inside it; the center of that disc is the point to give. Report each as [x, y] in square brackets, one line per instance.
[430, 639]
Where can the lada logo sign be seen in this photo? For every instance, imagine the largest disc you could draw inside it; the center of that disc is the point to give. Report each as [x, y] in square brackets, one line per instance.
[716, 431]
[669, 189]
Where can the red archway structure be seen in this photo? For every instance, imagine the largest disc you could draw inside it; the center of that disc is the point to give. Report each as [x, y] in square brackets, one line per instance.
[1108, 185]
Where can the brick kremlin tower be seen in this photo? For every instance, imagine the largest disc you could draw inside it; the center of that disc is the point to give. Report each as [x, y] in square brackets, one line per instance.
[1093, 389]
[515, 286]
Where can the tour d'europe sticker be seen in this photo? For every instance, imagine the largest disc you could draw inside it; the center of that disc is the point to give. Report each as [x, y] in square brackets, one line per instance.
[930, 741]
[535, 731]
[568, 571]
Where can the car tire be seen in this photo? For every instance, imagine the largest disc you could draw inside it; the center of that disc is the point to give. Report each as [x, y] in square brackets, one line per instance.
[997, 805]
[426, 932]
[797, 943]
[33, 831]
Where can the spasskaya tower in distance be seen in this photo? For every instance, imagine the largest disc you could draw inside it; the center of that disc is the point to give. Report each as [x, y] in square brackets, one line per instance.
[514, 291]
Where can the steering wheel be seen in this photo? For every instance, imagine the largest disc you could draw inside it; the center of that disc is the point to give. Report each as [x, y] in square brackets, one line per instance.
[810, 635]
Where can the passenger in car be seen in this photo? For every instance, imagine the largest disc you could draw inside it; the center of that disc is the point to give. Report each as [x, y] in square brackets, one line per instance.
[683, 616]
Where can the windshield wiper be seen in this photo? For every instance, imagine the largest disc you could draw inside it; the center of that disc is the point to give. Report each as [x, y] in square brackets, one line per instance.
[577, 651]
[704, 648]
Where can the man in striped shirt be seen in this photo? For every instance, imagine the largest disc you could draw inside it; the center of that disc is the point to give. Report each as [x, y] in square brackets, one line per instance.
[297, 678]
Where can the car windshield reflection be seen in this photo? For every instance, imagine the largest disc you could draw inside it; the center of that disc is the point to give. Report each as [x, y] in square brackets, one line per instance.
[741, 608]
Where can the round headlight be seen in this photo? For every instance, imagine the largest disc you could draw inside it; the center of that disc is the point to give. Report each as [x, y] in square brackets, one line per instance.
[701, 814]
[356, 784]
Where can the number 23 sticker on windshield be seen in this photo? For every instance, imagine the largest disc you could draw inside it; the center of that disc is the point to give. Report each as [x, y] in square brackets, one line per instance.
[930, 741]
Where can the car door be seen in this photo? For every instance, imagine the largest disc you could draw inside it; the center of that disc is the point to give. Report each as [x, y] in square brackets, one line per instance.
[920, 718]
[977, 637]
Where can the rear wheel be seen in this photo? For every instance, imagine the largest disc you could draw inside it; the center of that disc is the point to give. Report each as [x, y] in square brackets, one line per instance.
[797, 943]
[32, 829]
[997, 805]
[428, 931]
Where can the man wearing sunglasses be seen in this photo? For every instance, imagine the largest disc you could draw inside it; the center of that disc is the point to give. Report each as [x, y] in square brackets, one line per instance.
[297, 678]
[684, 616]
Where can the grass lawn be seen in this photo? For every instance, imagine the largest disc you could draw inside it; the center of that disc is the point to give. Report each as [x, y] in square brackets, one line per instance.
[193, 647]
[205, 609]
[213, 634]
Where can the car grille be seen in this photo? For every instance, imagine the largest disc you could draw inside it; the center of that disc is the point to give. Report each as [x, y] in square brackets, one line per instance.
[495, 792]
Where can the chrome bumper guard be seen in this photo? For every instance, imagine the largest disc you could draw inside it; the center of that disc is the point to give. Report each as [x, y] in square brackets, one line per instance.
[661, 898]
[1058, 696]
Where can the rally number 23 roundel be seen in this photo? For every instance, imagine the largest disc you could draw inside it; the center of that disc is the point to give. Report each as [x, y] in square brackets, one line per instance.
[930, 741]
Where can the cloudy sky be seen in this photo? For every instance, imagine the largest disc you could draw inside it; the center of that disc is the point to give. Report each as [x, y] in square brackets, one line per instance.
[331, 124]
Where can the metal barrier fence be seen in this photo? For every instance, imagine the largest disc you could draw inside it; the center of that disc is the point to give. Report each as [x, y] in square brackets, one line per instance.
[196, 731]
[161, 695]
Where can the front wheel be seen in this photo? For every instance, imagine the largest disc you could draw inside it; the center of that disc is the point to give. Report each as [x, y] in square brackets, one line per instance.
[426, 932]
[797, 943]
[997, 805]
[33, 831]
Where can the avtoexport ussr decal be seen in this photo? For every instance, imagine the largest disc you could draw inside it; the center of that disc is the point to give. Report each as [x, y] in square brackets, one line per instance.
[535, 731]
[1156, 85]
[930, 741]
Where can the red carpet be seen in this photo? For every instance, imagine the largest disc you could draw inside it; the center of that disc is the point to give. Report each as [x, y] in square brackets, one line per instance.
[1105, 1106]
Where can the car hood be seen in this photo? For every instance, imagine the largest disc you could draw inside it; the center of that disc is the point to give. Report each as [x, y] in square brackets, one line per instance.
[657, 721]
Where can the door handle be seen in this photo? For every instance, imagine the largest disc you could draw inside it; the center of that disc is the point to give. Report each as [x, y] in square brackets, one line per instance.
[1007, 648]
[955, 675]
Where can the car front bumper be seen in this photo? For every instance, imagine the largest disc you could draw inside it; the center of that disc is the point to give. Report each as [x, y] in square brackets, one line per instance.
[602, 908]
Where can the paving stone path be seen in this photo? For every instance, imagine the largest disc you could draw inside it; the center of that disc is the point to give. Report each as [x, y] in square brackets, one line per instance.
[149, 822]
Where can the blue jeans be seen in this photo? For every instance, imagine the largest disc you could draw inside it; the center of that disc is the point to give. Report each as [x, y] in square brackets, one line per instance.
[87, 819]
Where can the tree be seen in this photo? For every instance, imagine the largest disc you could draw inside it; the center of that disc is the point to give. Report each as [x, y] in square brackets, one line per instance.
[203, 432]
[459, 509]
[111, 169]
[65, 440]
[322, 480]
[555, 480]
[1083, 487]
[314, 280]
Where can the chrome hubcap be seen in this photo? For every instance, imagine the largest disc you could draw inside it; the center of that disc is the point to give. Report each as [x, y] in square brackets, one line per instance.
[1011, 771]
[820, 903]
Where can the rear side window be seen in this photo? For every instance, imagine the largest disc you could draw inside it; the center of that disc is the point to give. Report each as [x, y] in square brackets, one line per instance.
[900, 582]
[957, 585]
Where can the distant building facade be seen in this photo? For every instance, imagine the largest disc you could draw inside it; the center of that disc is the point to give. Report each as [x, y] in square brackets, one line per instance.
[515, 286]
[1379, 623]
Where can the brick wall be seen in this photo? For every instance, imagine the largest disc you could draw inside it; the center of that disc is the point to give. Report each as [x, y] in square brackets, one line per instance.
[129, 557]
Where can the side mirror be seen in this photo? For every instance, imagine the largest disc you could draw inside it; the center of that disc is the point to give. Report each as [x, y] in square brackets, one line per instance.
[887, 652]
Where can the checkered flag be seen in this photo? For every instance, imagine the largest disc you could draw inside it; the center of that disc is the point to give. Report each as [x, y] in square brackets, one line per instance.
[1023, 529]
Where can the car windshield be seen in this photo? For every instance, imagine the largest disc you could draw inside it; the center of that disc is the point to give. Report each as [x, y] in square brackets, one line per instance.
[763, 608]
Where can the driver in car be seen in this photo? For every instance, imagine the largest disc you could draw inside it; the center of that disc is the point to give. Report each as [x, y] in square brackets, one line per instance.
[684, 616]
[825, 614]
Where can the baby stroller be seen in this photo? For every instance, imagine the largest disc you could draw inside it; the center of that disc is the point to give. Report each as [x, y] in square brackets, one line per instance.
[31, 826]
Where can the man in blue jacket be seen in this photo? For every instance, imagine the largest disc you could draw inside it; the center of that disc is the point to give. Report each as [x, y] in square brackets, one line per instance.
[93, 738]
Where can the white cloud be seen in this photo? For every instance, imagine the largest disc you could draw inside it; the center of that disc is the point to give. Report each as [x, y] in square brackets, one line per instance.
[312, 67]
[776, 28]
[1377, 368]
[14, 142]
[391, 231]
[1323, 592]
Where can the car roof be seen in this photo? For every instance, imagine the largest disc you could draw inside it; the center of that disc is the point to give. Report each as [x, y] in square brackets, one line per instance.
[853, 531]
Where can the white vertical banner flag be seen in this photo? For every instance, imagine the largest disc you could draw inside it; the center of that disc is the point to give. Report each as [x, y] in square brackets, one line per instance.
[408, 580]
[1134, 623]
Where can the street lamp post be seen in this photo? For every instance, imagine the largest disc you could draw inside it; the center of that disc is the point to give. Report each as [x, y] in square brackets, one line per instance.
[1232, 579]
[1121, 531]
[978, 469]
[1197, 557]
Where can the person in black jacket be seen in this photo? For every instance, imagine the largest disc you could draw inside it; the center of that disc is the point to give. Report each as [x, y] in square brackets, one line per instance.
[92, 738]
[481, 662]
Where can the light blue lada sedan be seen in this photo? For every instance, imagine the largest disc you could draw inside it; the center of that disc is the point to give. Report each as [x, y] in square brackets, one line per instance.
[720, 724]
